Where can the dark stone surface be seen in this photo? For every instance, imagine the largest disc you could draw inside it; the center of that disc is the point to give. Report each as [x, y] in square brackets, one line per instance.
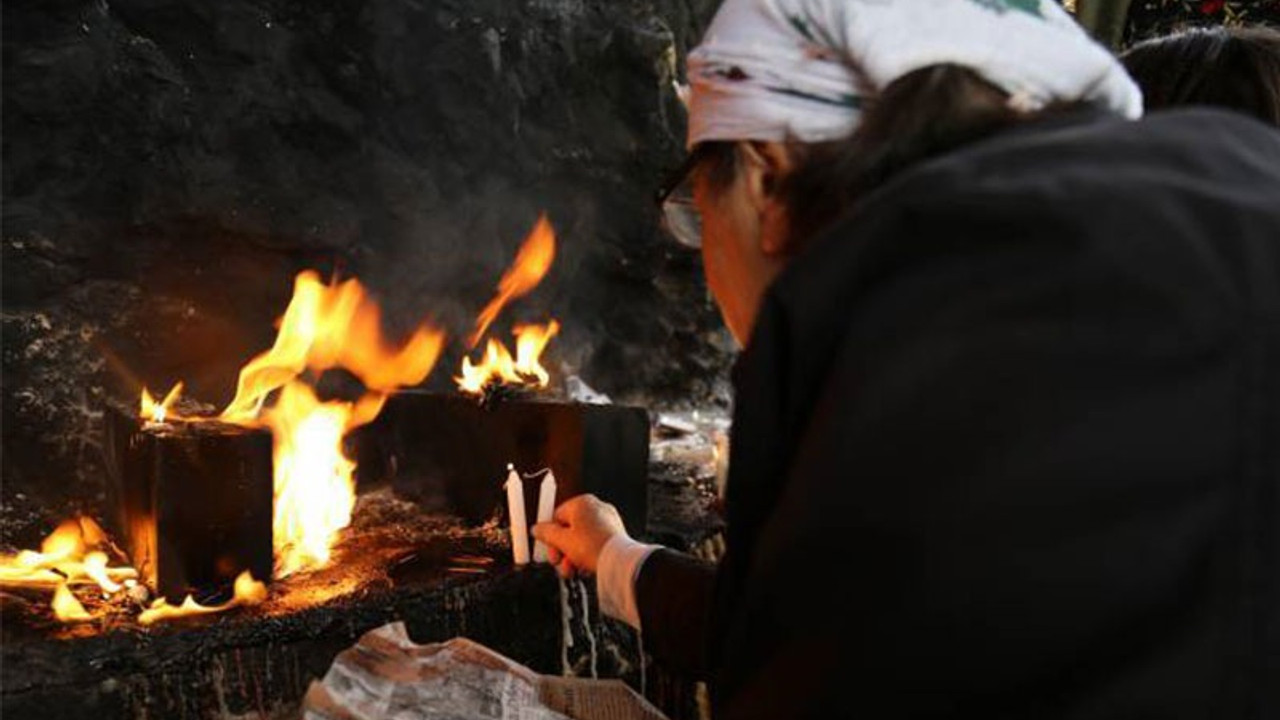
[1152, 18]
[394, 563]
[238, 666]
[169, 166]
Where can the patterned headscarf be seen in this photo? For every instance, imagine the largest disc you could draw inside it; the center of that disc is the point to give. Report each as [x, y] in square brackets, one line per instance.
[779, 69]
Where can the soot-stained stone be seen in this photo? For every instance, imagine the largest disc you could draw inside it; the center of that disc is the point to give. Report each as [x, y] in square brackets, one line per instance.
[170, 166]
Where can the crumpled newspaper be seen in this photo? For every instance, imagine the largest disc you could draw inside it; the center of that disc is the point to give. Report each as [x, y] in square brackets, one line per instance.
[386, 676]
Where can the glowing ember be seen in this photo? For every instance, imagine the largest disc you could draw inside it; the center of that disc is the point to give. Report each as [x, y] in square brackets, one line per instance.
[247, 591]
[531, 265]
[498, 367]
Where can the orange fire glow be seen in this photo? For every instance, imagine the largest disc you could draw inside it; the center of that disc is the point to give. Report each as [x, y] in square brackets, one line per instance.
[247, 591]
[531, 265]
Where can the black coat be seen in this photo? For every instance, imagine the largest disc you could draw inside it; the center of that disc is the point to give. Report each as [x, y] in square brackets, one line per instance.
[1006, 444]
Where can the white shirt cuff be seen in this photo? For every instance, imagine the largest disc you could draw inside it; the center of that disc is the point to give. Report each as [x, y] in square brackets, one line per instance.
[616, 572]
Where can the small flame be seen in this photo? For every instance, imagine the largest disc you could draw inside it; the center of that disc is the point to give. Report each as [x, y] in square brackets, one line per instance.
[66, 607]
[531, 265]
[498, 367]
[68, 556]
[157, 412]
[247, 591]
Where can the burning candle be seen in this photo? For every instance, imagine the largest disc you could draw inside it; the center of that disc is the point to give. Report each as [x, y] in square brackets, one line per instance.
[546, 508]
[515, 510]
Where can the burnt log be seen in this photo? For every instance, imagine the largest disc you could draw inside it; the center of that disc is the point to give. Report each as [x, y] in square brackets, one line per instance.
[192, 501]
[450, 449]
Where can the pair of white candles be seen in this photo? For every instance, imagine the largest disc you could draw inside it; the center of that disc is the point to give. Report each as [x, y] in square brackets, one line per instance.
[519, 522]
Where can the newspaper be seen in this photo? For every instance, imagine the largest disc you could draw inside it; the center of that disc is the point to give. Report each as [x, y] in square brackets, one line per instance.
[386, 676]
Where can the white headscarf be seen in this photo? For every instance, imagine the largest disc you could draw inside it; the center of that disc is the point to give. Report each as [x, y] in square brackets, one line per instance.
[777, 70]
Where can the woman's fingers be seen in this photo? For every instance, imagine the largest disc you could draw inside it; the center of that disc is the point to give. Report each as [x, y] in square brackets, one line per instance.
[581, 527]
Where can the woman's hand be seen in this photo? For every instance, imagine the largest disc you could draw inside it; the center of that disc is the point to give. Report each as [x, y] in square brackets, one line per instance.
[578, 532]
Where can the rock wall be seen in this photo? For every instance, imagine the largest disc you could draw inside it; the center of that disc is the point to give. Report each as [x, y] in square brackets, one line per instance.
[169, 166]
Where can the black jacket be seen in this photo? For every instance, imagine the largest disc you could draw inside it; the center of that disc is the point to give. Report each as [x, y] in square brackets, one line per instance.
[1006, 444]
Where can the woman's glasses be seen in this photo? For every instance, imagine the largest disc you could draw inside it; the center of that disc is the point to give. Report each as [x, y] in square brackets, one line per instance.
[680, 217]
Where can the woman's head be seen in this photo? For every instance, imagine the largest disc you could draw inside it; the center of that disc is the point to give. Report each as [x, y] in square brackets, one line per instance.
[1236, 68]
[800, 106]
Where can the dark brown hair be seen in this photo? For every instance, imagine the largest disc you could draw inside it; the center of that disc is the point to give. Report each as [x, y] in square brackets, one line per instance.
[921, 115]
[1236, 68]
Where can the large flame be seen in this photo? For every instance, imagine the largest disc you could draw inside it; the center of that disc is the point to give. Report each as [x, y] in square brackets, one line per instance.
[499, 367]
[328, 326]
[247, 591]
[314, 490]
[531, 265]
[324, 327]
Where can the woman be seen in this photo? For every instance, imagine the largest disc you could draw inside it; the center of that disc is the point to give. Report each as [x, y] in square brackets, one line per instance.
[1237, 68]
[1006, 422]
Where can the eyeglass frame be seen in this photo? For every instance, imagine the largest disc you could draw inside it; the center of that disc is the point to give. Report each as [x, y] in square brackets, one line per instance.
[679, 216]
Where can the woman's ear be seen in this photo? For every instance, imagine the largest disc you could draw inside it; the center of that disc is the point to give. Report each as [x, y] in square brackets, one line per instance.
[765, 165]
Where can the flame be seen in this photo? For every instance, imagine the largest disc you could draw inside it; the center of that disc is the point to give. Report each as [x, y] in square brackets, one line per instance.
[498, 366]
[68, 556]
[156, 412]
[324, 326]
[328, 326]
[66, 607]
[314, 490]
[247, 591]
[531, 265]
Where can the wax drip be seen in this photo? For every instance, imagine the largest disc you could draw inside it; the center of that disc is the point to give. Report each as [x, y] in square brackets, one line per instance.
[586, 627]
[643, 664]
[566, 636]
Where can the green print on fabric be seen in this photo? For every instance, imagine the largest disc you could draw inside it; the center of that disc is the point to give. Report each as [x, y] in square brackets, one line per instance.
[1030, 7]
[801, 27]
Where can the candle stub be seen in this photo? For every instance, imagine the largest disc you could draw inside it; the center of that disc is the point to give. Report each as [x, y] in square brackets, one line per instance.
[519, 523]
[546, 509]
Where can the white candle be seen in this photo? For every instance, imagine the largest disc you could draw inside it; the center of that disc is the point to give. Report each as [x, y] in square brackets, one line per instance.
[519, 524]
[546, 509]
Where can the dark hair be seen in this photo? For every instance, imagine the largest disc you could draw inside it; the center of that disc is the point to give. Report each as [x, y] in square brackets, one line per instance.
[1237, 68]
[918, 116]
